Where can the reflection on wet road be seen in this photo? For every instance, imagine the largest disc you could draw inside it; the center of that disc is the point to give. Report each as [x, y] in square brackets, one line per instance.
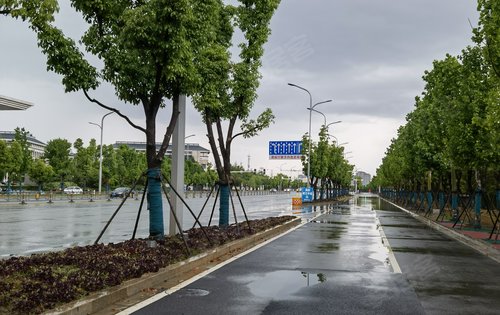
[334, 264]
[337, 264]
[40, 226]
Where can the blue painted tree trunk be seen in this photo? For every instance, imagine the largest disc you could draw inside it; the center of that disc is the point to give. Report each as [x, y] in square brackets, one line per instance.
[498, 198]
[454, 206]
[156, 229]
[441, 200]
[224, 205]
[477, 209]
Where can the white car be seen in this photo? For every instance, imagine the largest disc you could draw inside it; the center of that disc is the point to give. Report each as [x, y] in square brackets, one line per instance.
[73, 190]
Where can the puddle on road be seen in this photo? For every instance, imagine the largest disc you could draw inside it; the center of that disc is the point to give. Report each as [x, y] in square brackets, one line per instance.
[340, 211]
[325, 248]
[282, 284]
[332, 233]
[380, 253]
[438, 251]
[331, 222]
[406, 226]
[193, 292]
[453, 288]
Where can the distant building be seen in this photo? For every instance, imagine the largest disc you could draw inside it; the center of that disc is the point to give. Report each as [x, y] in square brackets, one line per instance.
[7, 103]
[36, 147]
[302, 178]
[365, 177]
[197, 152]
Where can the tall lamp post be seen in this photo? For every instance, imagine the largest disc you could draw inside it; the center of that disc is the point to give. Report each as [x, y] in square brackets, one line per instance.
[335, 122]
[311, 108]
[317, 111]
[101, 126]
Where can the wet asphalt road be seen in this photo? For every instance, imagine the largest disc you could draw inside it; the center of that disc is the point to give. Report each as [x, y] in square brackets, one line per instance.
[337, 264]
[447, 276]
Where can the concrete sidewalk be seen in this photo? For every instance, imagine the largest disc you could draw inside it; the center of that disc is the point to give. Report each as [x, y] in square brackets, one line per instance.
[482, 234]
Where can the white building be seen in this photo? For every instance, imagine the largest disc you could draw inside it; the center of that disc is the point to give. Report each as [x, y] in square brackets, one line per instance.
[7, 103]
[197, 152]
[36, 147]
[365, 177]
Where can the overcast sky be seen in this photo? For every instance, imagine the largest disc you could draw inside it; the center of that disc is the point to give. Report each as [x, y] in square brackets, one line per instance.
[366, 55]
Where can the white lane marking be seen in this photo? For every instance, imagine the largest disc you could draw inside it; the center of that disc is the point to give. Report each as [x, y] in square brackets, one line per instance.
[392, 258]
[181, 285]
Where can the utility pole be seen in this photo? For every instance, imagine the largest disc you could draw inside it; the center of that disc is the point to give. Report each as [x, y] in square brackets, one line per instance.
[101, 126]
[177, 172]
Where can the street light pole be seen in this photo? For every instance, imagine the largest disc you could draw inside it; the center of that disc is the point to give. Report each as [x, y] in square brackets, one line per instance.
[335, 122]
[101, 126]
[311, 108]
[309, 149]
[317, 111]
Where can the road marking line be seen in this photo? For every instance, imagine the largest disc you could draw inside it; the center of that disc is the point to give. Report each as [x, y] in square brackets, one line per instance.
[183, 284]
[392, 257]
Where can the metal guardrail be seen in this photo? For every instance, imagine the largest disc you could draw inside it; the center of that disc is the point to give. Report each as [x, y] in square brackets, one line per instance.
[49, 197]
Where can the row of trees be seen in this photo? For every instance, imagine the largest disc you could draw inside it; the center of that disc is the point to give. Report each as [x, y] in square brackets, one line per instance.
[154, 51]
[451, 141]
[120, 167]
[15, 159]
[330, 171]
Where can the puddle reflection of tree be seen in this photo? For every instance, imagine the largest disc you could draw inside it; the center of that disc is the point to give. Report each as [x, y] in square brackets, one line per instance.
[321, 277]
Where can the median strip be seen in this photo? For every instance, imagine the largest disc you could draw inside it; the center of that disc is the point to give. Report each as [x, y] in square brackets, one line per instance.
[113, 300]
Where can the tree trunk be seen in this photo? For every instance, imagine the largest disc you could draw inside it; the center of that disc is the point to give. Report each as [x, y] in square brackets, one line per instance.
[154, 196]
[225, 187]
[156, 228]
[224, 205]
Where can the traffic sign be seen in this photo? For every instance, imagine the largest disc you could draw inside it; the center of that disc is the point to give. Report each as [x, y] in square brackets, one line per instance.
[285, 150]
[307, 194]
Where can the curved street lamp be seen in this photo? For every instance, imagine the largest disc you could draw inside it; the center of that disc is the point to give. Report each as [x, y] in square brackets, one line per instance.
[311, 108]
[101, 126]
[317, 111]
[335, 122]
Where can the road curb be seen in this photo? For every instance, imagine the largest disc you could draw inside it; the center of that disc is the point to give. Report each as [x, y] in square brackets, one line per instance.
[169, 276]
[478, 245]
[385, 241]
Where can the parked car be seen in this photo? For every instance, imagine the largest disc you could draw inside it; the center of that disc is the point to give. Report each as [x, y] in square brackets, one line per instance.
[120, 192]
[73, 190]
[6, 191]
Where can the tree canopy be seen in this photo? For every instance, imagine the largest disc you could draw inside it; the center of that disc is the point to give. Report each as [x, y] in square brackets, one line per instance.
[454, 126]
